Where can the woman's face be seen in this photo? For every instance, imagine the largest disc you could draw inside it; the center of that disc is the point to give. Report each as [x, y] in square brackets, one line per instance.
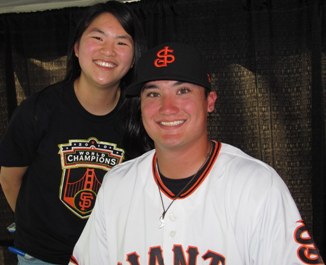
[105, 52]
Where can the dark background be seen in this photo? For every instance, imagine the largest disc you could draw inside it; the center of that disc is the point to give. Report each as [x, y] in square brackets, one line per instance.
[268, 63]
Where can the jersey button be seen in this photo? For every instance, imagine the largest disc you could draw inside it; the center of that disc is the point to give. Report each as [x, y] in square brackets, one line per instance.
[172, 233]
[172, 217]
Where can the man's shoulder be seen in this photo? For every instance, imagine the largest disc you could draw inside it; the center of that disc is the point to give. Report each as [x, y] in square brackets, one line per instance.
[127, 176]
[232, 154]
[241, 167]
[134, 167]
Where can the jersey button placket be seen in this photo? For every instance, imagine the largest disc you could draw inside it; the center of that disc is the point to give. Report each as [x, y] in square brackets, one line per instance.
[172, 219]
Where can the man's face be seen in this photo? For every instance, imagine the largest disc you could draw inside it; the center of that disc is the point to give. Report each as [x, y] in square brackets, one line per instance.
[174, 113]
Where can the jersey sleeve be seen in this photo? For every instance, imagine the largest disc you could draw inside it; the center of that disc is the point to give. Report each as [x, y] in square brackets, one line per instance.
[92, 246]
[280, 235]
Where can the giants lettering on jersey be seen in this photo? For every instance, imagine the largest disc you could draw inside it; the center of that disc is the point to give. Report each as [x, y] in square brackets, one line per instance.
[307, 251]
[155, 257]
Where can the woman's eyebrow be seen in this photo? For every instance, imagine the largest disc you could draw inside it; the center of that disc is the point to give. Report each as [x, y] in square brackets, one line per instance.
[95, 29]
[125, 36]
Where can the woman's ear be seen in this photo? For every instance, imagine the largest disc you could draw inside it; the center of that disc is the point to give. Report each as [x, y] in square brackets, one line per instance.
[76, 49]
[133, 63]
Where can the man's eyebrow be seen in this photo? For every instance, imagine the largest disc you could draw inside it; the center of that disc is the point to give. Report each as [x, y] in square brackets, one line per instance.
[177, 83]
[147, 86]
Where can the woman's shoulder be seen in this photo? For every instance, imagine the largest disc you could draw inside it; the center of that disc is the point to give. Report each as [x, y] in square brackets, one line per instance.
[47, 96]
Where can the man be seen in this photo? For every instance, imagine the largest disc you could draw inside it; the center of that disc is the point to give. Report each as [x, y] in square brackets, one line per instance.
[192, 200]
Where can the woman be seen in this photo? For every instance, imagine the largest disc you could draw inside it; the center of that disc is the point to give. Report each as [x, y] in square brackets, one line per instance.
[62, 140]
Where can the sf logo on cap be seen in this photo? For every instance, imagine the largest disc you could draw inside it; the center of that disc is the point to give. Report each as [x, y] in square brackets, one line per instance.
[164, 57]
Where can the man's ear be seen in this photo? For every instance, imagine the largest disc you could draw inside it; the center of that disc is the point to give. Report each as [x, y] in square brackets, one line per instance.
[211, 99]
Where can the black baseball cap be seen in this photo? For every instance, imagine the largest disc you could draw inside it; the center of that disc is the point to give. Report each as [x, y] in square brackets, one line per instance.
[170, 61]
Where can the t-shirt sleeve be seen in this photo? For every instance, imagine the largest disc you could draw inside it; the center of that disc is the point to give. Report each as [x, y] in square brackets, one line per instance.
[19, 143]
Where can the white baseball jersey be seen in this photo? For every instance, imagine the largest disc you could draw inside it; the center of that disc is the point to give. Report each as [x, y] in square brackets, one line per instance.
[238, 212]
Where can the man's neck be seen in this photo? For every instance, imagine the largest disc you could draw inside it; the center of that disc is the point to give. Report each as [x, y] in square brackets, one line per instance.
[184, 162]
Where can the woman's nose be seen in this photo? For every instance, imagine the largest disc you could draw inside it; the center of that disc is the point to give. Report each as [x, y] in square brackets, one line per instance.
[108, 49]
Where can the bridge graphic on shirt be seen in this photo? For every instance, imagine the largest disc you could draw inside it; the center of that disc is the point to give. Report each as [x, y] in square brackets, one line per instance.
[81, 194]
[84, 163]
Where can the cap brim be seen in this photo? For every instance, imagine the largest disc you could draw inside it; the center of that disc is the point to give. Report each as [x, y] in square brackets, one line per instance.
[135, 88]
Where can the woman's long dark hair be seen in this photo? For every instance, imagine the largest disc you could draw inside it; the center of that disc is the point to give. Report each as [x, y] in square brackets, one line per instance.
[128, 20]
[136, 140]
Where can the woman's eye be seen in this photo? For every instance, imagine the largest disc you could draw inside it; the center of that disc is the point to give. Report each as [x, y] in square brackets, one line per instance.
[122, 43]
[97, 38]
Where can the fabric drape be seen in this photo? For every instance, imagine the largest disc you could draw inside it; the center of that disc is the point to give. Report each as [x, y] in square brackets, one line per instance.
[268, 65]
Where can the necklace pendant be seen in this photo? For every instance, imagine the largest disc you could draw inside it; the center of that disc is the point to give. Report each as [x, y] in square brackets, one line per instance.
[162, 222]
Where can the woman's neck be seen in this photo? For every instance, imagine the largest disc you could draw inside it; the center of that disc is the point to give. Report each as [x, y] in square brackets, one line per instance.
[96, 100]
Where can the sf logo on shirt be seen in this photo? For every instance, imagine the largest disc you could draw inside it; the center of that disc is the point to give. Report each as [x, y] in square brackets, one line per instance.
[84, 163]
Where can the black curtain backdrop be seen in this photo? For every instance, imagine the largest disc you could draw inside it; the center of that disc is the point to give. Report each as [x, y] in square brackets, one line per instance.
[268, 64]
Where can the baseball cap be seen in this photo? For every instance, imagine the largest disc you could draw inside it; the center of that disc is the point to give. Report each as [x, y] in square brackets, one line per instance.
[170, 61]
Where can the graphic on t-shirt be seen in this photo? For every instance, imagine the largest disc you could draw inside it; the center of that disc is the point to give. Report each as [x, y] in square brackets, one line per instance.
[84, 163]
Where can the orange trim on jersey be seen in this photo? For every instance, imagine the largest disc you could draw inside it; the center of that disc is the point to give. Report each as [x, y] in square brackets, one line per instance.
[158, 179]
[73, 260]
[216, 149]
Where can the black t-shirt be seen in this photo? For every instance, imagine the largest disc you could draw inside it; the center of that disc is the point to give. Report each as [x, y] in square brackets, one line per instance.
[67, 151]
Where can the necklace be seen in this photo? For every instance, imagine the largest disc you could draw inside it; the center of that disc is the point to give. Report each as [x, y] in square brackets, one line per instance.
[162, 221]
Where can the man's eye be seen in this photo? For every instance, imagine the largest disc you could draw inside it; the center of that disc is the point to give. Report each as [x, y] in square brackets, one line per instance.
[183, 90]
[152, 94]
